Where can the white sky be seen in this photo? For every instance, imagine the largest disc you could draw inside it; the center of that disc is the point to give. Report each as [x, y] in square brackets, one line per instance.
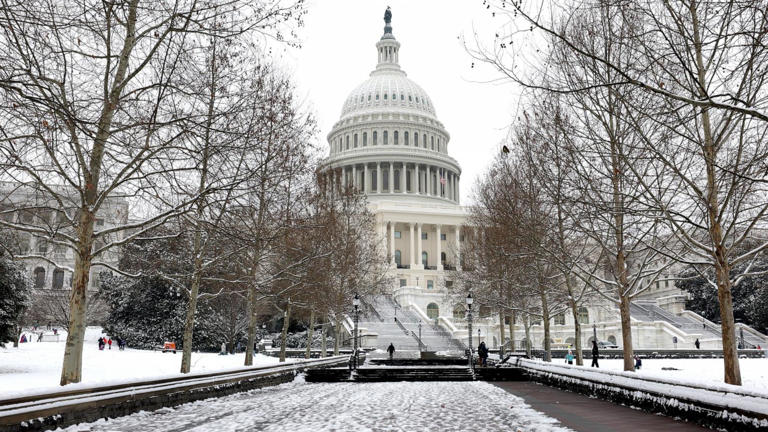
[339, 52]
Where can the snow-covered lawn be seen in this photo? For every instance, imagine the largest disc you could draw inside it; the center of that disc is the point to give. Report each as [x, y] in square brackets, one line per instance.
[754, 371]
[36, 367]
[300, 406]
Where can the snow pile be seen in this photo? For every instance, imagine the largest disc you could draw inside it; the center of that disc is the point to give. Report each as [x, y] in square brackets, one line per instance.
[36, 367]
[297, 406]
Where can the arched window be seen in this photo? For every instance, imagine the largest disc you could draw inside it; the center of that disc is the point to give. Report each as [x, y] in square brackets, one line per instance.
[442, 255]
[424, 140]
[355, 140]
[385, 179]
[377, 96]
[583, 315]
[385, 96]
[369, 97]
[424, 258]
[375, 138]
[397, 179]
[432, 140]
[416, 139]
[612, 339]
[560, 319]
[347, 142]
[398, 255]
[570, 341]
[374, 180]
[405, 138]
[433, 311]
[42, 246]
[394, 97]
[365, 139]
[395, 138]
[410, 98]
[402, 97]
[459, 312]
[386, 138]
[39, 277]
[58, 279]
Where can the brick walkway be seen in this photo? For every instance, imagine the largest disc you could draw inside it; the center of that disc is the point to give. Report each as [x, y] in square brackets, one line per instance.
[585, 414]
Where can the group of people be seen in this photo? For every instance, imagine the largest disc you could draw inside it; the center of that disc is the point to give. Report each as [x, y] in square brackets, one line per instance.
[107, 342]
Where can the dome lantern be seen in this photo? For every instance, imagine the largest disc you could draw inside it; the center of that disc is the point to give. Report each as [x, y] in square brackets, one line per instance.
[388, 47]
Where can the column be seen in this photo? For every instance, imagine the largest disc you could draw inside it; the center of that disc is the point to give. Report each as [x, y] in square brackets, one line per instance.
[416, 188]
[419, 248]
[365, 177]
[354, 177]
[429, 181]
[378, 177]
[391, 177]
[410, 245]
[439, 251]
[458, 247]
[458, 190]
[392, 243]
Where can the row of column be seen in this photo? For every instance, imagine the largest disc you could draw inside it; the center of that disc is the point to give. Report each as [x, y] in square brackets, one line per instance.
[429, 180]
[414, 241]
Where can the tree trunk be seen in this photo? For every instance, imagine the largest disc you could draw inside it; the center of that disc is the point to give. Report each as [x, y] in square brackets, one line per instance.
[732, 370]
[17, 331]
[189, 320]
[337, 339]
[528, 342]
[545, 321]
[512, 331]
[250, 308]
[626, 334]
[310, 333]
[324, 340]
[72, 367]
[284, 335]
[577, 333]
[501, 335]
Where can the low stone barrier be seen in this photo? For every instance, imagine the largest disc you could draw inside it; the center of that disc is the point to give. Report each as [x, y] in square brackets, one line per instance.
[648, 353]
[61, 409]
[719, 407]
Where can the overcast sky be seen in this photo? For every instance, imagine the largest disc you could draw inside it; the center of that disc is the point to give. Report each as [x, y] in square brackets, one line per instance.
[339, 52]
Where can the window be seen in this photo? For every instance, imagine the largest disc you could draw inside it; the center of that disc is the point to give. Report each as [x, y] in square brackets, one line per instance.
[99, 222]
[432, 140]
[417, 99]
[58, 279]
[386, 138]
[430, 284]
[377, 96]
[405, 138]
[397, 234]
[42, 246]
[459, 311]
[424, 140]
[395, 138]
[369, 96]
[397, 179]
[560, 319]
[442, 258]
[407, 179]
[365, 139]
[583, 315]
[410, 98]
[394, 96]
[398, 256]
[355, 141]
[385, 96]
[402, 97]
[347, 142]
[403, 282]
[432, 310]
[423, 236]
[448, 283]
[375, 138]
[612, 339]
[442, 236]
[39, 277]
[416, 139]
[385, 179]
[424, 257]
[374, 180]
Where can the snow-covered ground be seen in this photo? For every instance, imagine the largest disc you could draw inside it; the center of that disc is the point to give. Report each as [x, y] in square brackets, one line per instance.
[707, 372]
[36, 367]
[300, 406]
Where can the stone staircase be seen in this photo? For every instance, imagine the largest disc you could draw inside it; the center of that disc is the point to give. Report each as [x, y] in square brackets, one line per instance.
[379, 317]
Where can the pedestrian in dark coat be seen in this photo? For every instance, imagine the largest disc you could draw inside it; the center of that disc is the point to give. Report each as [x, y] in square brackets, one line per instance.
[638, 362]
[697, 343]
[391, 351]
[595, 354]
[101, 344]
[482, 352]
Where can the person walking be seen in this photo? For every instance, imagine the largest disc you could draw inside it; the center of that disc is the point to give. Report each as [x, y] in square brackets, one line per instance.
[638, 362]
[569, 357]
[697, 343]
[391, 351]
[101, 344]
[109, 342]
[595, 354]
[482, 353]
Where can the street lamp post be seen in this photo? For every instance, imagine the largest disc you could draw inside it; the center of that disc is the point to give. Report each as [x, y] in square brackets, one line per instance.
[356, 303]
[594, 332]
[420, 344]
[469, 330]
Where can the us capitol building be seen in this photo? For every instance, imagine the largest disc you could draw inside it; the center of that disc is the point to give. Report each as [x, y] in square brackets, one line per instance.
[390, 145]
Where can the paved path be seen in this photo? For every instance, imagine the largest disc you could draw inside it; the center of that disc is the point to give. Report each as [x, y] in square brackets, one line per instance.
[584, 414]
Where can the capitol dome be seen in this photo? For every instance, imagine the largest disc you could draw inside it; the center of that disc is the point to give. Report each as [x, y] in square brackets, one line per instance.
[388, 142]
